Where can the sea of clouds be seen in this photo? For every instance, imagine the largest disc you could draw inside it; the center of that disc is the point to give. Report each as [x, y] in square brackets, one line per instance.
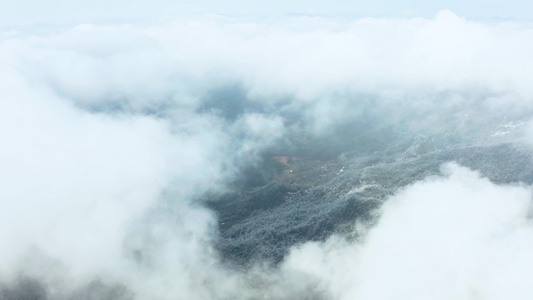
[107, 147]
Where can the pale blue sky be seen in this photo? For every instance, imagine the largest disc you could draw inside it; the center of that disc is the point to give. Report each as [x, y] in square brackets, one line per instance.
[61, 11]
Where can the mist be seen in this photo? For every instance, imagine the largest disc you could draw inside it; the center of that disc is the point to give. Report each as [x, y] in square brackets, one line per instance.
[295, 157]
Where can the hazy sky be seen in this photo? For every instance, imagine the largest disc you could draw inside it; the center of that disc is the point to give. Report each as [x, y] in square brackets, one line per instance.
[61, 11]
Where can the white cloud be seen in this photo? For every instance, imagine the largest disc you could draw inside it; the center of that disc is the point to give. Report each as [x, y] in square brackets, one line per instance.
[302, 57]
[453, 237]
[73, 183]
[100, 124]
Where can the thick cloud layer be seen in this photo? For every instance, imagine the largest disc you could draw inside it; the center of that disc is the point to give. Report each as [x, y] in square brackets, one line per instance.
[112, 135]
